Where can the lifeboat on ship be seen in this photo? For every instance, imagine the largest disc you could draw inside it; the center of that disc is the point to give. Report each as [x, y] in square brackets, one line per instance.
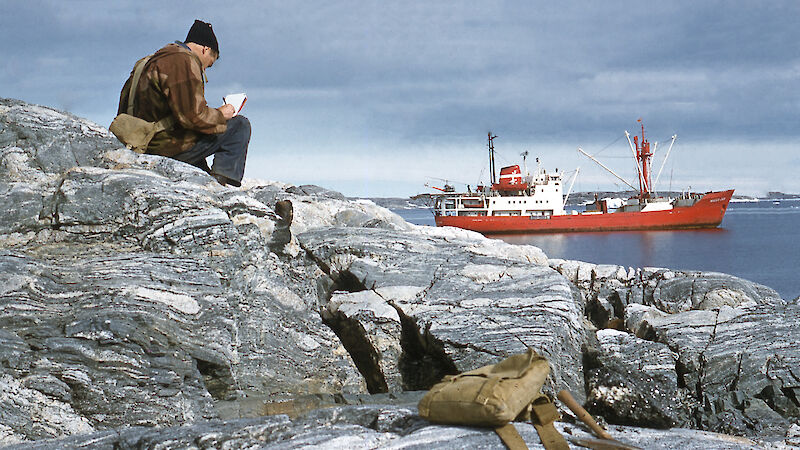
[510, 180]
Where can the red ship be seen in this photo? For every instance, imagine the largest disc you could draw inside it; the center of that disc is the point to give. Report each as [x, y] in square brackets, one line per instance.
[525, 203]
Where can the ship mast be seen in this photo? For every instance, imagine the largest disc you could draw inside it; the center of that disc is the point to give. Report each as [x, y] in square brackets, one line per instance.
[643, 156]
[491, 159]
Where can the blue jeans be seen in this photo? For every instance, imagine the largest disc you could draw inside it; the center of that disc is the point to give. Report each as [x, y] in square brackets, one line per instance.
[229, 150]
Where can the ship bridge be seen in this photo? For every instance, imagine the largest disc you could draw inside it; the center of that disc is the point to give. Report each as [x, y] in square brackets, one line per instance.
[537, 195]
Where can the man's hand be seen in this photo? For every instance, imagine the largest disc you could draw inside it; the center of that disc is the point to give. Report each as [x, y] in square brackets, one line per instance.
[227, 111]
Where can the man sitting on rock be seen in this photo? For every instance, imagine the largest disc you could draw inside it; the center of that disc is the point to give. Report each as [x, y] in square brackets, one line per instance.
[172, 84]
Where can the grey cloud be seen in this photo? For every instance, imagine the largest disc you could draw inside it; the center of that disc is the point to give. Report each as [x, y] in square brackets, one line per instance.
[329, 74]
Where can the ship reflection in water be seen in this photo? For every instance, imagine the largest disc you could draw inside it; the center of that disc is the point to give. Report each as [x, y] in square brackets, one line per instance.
[677, 249]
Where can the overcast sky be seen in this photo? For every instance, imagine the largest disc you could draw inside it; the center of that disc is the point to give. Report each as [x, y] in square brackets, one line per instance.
[377, 98]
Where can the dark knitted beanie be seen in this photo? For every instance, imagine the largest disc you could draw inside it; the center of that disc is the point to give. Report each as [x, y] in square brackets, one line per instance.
[201, 33]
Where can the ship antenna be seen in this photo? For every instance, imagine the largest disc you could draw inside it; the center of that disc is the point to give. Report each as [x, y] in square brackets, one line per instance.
[524, 162]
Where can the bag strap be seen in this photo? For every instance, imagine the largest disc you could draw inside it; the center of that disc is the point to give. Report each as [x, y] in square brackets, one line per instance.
[543, 414]
[602, 444]
[163, 124]
[510, 436]
[137, 74]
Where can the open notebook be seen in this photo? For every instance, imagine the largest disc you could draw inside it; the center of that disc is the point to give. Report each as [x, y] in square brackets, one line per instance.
[237, 100]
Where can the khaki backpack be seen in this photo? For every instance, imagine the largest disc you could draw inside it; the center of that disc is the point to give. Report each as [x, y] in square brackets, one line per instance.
[495, 395]
[132, 131]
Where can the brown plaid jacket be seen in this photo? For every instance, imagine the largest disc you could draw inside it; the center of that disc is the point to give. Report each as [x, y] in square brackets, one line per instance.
[172, 84]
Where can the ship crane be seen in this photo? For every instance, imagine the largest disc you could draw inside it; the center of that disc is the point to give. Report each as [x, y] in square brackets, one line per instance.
[674, 136]
[643, 156]
[604, 167]
[569, 191]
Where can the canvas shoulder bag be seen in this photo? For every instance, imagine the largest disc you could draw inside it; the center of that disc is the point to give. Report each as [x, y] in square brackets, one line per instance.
[493, 396]
[132, 131]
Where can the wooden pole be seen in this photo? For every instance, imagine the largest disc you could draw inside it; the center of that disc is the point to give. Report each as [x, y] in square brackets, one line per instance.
[581, 414]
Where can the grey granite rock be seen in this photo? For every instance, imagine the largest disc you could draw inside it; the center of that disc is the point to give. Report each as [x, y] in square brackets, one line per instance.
[735, 358]
[457, 310]
[138, 291]
[735, 343]
[316, 191]
[708, 290]
[632, 381]
[38, 141]
[369, 427]
[114, 353]
[366, 317]
[143, 304]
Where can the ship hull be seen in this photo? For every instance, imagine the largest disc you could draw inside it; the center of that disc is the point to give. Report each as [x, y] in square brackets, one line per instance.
[706, 213]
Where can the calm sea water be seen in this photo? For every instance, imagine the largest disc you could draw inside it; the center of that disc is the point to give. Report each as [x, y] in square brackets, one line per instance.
[757, 241]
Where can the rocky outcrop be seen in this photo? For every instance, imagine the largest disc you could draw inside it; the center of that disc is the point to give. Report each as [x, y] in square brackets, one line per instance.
[706, 350]
[631, 380]
[369, 427]
[140, 292]
[143, 304]
[137, 291]
[442, 309]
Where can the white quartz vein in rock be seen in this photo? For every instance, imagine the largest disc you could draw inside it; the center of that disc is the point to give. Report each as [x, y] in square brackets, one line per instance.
[180, 302]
